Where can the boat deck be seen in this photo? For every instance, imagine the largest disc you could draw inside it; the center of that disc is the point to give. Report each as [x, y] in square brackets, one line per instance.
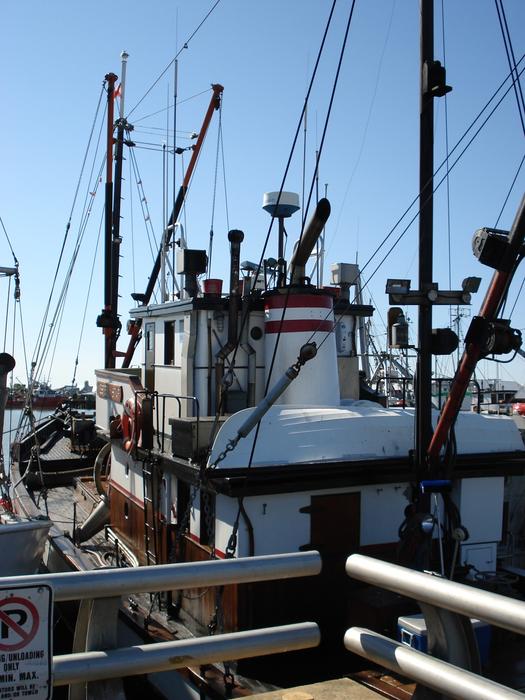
[69, 507]
[343, 688]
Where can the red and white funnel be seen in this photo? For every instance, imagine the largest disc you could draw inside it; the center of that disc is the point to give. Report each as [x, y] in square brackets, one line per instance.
[294, 317]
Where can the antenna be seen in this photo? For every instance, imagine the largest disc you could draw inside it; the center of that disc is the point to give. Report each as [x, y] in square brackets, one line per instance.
[281, 205]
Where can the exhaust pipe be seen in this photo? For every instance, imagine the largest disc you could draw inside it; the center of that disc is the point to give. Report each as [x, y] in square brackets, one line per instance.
[308, 240]
[235, 237]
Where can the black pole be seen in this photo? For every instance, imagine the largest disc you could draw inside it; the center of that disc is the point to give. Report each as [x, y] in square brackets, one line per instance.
[426, 169]
[281, 275]
[109, 359]
[115, 232]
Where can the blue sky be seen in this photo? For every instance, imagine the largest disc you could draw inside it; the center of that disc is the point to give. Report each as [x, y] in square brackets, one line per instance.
[54, 56]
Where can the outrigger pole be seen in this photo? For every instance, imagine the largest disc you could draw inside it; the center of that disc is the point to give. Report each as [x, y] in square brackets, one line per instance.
[483, 330]
[144, 299]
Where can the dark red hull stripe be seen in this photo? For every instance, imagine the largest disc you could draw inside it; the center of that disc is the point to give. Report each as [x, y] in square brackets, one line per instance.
[297, 301]
[300, 326]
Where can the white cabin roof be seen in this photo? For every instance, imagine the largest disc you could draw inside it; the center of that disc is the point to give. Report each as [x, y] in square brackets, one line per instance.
[361, 431]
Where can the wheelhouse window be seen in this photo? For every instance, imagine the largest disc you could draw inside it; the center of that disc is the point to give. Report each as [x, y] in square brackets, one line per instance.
[169, 342]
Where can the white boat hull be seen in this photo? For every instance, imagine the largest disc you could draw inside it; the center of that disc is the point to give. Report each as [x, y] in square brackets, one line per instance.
[22, 543]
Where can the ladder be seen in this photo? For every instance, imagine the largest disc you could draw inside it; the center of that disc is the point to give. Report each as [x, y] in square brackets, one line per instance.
[151, 534]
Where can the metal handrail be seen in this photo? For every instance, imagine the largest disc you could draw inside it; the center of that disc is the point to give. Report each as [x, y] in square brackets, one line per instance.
[495, 609]
[105, 583]
[433, 593]
[178, 398]
[97, 657]
[167, 656]
[427, 670]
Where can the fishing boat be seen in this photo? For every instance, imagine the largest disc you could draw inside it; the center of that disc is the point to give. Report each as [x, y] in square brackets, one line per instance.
[22, 538]
[246, 430]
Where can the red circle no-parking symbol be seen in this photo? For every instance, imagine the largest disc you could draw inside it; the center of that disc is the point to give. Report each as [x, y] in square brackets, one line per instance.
[19, 622]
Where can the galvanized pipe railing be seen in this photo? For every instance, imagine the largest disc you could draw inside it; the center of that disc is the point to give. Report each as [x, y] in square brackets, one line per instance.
[107, 583]
[465, 600]
[433, 673]
[166, 656]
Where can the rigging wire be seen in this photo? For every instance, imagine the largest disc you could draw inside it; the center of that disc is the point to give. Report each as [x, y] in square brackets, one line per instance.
[517, 297]
[160, 111]
[143, 203]
[7, 314]
[296, 135]
[446, 161]
[511, 59]
[210, 244]
[184, 46]
[132, 227]
[54, 326]
[443, 163]
[510, 191]
[366, 127]
[87, 299]
[224, 183]
[8, 241]
[312, 186]
[414, 217]
[281, 188]
[40, 338]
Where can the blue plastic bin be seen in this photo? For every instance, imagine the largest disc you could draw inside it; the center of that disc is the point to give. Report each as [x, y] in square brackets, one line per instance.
[412, 631]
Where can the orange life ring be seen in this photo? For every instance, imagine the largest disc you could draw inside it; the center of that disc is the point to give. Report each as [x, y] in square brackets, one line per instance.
[131, 423]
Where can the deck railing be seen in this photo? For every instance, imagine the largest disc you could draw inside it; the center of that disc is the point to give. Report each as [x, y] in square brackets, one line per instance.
[447, 607]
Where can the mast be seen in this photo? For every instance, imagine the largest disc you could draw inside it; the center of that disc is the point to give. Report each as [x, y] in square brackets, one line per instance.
[122, 125]
[426, 211]
[108, 320]
[104, 320]
[214, 104]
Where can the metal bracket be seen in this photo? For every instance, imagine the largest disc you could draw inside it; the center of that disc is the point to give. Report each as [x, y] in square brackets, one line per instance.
[432, 297]
[450, 637]
[96, 629]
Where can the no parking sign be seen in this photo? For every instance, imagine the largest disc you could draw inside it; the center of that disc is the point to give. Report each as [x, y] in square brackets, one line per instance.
[26, 615]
